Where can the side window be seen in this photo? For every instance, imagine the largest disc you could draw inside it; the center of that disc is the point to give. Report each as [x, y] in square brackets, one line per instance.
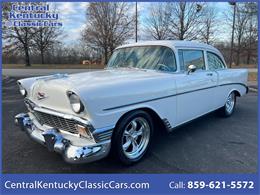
[214, 61]
[191, 57]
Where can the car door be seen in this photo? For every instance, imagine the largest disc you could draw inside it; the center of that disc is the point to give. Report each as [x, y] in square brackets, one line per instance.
[196, 90]
[217, 64]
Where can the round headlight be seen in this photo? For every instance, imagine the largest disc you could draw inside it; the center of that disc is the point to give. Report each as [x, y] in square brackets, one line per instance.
[75, 103]
[22, 91]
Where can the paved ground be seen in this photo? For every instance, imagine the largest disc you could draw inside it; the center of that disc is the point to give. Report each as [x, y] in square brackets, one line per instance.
[253, 85]
[37, 72]
[208, 145]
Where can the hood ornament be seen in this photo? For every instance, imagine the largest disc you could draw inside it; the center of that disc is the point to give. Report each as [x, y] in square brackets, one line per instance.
[41, 95]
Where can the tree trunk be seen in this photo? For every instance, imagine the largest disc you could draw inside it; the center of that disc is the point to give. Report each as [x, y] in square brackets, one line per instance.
[238, 50]
[238, 56]
[182, 32]
[232, 37]
[250, 42]
[42, 57]
[248, 56]
[27, 56]
[249, 51]
[106, 55]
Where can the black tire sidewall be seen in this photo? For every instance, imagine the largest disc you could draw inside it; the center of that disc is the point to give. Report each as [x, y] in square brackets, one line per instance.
[118, 133]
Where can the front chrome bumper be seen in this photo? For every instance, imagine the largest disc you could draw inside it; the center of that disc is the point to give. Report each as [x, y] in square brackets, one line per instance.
[55, 141]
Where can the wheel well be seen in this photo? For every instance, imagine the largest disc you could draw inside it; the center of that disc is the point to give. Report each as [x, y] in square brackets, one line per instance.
[237, 93]
[158, 122]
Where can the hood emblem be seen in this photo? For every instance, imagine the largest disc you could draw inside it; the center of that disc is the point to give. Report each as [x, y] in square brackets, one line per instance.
[41, 95]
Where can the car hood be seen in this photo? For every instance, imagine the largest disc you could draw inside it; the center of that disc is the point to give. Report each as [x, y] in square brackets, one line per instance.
[109, 77]
[100, 90]
[95, 79]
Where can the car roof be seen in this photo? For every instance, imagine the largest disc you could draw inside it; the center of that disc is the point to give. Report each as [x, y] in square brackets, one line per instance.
[172, 44]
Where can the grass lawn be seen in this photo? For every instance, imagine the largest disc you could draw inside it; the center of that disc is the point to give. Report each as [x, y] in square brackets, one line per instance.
[244, 66]
[54, 66]
[79, 66]
[252, 76]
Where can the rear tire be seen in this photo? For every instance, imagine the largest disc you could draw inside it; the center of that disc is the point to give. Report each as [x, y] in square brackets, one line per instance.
[132, 137]
[229, 107]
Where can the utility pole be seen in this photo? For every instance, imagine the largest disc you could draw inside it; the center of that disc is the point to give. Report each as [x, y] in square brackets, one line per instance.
[136, 21]
[233, 30]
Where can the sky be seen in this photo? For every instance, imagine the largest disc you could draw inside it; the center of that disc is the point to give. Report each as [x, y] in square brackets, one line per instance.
[73, 17]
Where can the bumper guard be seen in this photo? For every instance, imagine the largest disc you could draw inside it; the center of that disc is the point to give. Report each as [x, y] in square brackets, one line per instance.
[54, 141]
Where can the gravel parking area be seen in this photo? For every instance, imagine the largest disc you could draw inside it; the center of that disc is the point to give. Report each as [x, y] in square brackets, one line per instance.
[207, 145]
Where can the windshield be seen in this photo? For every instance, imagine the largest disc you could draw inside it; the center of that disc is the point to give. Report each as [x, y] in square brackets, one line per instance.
[144, 57]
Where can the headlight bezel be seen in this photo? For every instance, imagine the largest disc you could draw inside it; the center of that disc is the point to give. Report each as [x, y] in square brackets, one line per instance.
[75, 102]
[22, 90]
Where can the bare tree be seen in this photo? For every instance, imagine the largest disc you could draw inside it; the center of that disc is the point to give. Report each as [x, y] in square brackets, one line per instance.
[251, 32]
[243, 21]
[240, 29]
[16, 40]
[136, 22]
[109, 25]
[209, 23]
[159, 20]
[186, 21]
[45, 38]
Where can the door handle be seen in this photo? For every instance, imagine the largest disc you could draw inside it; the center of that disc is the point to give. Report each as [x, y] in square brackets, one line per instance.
[209, 74]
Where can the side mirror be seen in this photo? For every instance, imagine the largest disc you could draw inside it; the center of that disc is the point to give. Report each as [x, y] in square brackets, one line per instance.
[191, 68]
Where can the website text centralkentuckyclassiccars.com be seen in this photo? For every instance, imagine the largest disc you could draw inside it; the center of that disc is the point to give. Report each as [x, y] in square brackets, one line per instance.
[76, 185]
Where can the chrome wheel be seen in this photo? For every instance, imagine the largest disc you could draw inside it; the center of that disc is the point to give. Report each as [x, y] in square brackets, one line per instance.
[136, 137]
[230, 103]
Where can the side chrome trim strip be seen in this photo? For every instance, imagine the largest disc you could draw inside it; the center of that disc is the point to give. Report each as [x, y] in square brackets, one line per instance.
[104, 129]
[233, 84]
[163, 97]
[103, 134]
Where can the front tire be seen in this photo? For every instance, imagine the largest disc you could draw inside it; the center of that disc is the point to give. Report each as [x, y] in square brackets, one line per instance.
[132, 137]
[229, 107]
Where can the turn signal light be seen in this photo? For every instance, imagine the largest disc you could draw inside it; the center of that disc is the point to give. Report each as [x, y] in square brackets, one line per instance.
[83, 131]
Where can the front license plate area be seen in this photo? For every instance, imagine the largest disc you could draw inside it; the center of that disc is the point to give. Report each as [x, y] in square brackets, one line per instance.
[49, 141]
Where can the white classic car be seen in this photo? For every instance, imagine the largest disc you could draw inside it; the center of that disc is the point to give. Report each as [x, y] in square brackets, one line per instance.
[85, 116]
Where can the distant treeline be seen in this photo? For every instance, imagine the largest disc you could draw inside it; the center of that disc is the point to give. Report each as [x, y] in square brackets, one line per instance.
[110, 24]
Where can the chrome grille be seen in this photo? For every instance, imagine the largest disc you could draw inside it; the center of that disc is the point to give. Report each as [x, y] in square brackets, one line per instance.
[56, 121]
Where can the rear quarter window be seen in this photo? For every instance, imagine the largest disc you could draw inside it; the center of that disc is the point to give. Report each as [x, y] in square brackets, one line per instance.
[214, 61]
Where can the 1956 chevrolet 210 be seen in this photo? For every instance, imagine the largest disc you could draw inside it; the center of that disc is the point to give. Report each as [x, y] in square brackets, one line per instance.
[85, 116]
